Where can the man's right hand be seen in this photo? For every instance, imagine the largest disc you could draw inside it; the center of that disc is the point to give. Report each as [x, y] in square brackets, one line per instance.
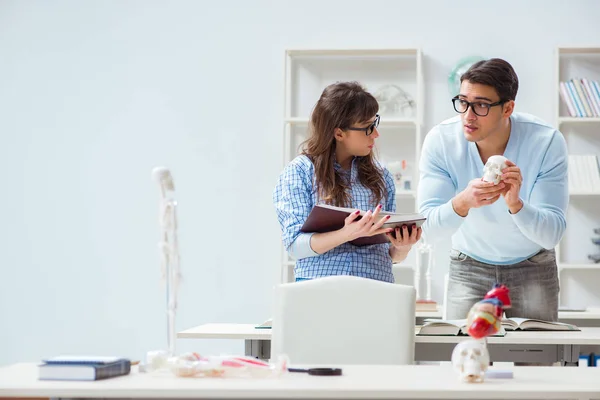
[477, 194]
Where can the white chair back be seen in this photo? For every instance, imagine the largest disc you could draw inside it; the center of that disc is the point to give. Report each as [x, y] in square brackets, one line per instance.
[344, 320]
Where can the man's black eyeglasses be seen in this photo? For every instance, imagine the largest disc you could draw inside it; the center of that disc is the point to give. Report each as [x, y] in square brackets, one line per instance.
[479, 108]
[369, 129]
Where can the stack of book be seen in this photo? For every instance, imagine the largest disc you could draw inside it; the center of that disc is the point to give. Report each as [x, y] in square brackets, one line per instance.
[582, 97]
[78, 368]
[426, 305]
[584, 174]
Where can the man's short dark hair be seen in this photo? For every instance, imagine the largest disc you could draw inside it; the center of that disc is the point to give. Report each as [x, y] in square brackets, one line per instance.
[496, 73]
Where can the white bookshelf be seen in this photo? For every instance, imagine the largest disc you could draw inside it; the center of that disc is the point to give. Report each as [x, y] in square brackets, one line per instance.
[578, 274]
[309, 71]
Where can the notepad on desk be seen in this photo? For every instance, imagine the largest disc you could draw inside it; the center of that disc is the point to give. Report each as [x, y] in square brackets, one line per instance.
[268, 324]
[83, 368]
[448, 327]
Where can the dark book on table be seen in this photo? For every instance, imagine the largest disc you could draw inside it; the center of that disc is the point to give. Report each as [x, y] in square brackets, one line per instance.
[325, 218]
[83, 368]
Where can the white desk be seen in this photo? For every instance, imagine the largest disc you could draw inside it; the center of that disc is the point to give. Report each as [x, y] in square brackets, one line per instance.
[547, 347]
[357, 382]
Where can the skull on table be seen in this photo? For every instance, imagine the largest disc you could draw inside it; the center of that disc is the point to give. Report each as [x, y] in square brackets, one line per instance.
[470, 359]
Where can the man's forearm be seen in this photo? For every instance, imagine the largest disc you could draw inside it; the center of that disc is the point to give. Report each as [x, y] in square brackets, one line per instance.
[460, 207]
[515, 208]
[442, 219]
[542, 226]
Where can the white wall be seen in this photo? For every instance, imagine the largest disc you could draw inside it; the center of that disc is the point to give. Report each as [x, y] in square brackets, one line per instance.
[94, 94]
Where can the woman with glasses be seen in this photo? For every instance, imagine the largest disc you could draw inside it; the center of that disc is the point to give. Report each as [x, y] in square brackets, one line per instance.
[503, 232]
[337, 167]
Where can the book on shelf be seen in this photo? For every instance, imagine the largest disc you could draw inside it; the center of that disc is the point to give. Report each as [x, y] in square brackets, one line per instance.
[326, 218]
[564, 94]
[584, 174]
[426, 305]
[82, 368]
[531, 324]
[449, 327]
[581, 96]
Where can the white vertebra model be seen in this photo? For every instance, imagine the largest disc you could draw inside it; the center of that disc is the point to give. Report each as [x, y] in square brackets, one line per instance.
[470, 359]
[169, 248]
[492, 170]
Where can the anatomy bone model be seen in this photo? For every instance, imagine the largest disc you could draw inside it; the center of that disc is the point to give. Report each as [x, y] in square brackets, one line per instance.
[169, 248]
[492, 171]
[470, 358]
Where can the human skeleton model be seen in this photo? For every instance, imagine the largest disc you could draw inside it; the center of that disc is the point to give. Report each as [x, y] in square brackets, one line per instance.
[492, 171]
[169, 249]
[470, 358]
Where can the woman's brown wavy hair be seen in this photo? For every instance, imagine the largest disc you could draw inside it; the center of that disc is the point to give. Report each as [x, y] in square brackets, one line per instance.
[341, 105]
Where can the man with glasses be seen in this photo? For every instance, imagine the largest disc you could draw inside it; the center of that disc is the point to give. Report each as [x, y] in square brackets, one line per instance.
[503, 232]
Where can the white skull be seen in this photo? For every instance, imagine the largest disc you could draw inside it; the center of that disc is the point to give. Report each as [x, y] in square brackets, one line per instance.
[470, 359]
[493, 169]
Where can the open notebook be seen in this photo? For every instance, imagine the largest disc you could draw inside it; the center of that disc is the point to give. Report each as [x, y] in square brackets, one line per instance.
[530, 324]
[456, 327]
[448, 327]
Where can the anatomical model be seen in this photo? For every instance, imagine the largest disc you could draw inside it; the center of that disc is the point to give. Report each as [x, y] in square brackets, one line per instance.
[470, 358]
[492, 171]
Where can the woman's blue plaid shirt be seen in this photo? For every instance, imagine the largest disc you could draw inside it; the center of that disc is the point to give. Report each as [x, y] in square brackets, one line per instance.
[295, 196]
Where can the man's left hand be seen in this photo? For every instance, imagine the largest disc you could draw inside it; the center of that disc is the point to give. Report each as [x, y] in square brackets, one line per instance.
[511, 176]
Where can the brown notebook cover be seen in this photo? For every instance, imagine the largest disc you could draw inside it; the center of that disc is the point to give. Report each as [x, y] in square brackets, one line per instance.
[325, 218]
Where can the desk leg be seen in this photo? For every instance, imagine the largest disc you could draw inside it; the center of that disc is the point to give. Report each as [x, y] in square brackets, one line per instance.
[570, 356]
[260, 349]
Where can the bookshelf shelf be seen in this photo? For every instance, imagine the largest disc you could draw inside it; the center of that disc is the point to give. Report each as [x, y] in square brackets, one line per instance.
[578, 120]
[579, 266]
[578, 193]
[579, 50]
[406, 194]
[403, 266]
[360, 54]
[384, 121]
[577, 111]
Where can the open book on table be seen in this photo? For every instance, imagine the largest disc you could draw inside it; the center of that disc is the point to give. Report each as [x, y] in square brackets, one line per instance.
[448, 327]
[326, 218]
[530, 324]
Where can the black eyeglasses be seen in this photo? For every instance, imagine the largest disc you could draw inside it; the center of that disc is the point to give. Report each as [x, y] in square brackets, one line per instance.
[369, 129]
[479, 108]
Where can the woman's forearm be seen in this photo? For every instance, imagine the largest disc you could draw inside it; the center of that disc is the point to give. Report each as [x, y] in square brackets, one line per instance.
[323, 242]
